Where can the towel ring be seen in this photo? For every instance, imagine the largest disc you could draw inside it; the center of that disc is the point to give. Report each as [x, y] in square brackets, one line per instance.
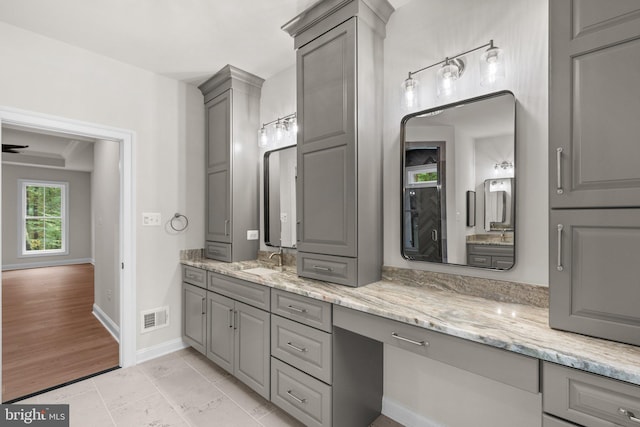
[180, 227]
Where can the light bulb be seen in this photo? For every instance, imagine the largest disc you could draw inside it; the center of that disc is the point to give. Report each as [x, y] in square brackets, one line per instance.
[410, 89]
[447, 75]
[263, 140]
[491, 66]
[293, 125]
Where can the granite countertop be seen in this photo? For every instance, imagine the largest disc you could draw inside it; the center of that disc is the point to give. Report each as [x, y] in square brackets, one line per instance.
[521, 328]
[490, 239]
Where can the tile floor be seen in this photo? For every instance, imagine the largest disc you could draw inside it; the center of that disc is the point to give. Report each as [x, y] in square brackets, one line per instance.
[180, 389]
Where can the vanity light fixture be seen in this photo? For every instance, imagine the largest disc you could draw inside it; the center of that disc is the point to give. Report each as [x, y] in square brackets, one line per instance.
[282, 126]
[504, 165]
[452, 68]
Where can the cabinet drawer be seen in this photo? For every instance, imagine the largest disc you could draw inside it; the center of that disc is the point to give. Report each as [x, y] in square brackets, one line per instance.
[504, 250]
[301, 309]
[301, 346]
[246, 292]
[549, 421]
[479, 260]
[588, 399]
[301, 395]
[329, 268]
[219, 251]
[195, 276]
[499, 365]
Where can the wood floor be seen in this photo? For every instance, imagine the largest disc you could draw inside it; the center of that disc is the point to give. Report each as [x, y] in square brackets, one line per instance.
[49, 335]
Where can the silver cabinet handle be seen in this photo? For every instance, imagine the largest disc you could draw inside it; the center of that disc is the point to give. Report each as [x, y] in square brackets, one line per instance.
[214, 252]
[297, 309]
[630, 415]
[297, 231]
[559, 150]
[434, 235]
[409, 340]
[231, 317]
[204, 306]
[296, 348]
[559, 267]
[235, 319]
[226, 227]
[296, 398]
[321, 268]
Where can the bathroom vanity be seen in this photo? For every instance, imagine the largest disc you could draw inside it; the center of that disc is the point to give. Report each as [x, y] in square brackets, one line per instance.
[325, 343]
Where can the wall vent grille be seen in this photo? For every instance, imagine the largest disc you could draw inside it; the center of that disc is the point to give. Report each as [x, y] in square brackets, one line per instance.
[154, 319]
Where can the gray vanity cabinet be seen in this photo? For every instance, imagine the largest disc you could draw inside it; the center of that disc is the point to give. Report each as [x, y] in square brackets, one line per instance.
[594, 271]
[594, 100]
[339, 184]
[194, 316]
[238, 333]
[232, 104]
[594, 160]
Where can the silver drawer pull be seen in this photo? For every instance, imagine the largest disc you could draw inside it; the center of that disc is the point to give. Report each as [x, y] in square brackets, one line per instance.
[559, 267]
[321, 268]
[226, 226]
[231, 317]
[296, 348]
[559, 189]
[297, 309]
[204, 306]
[296, 398]
[630, 415]
[401, 338]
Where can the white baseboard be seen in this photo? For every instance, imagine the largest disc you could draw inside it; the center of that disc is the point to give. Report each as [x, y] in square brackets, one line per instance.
[161, 349]
[40, 264]
[404, 415]
[107, 322]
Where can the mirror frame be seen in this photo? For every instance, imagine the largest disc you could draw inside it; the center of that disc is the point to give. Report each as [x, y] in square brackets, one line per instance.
[265, 194]
[403, 124]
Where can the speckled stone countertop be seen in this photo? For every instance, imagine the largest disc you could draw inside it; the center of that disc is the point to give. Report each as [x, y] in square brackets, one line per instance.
[490, 239]
[520, 328]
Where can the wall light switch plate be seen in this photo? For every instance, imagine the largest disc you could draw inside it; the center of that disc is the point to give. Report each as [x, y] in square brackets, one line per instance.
[252, 234]
[151, 219]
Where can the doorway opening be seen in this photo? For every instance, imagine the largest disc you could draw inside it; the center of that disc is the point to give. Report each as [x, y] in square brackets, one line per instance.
[115, 307]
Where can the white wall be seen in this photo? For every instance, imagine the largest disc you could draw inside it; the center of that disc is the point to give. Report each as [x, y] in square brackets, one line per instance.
[167, 116]
[425, 31]
[79, 219]
[105, 212]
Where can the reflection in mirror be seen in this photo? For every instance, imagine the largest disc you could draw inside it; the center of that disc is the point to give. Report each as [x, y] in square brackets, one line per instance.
[280, 197]
[448, 154]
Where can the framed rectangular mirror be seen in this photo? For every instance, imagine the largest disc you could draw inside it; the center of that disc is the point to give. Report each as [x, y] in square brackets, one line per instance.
[447, 154]
[280, 197]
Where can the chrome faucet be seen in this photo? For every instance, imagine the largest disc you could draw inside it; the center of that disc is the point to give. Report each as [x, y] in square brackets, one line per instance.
[278, 254]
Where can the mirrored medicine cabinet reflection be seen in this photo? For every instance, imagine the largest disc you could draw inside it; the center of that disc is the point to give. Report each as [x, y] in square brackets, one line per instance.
[458, 183]
[280, 197]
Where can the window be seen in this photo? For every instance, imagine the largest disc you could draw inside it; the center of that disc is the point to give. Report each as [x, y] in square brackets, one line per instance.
[43, 217]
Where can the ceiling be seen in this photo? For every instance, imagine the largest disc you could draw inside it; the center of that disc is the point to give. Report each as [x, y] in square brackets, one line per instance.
[188, 40]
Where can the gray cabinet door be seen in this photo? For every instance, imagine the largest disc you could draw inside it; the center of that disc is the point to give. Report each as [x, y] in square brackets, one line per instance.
[220, 332]
[594, 273]
[594, 100]
[218, 157]
[252, 329]
[326, 87]
[194, 316]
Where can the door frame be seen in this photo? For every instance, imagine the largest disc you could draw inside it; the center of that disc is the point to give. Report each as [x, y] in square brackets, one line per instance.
[126, 139]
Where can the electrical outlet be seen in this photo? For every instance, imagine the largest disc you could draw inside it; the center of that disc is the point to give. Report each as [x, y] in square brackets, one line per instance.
[252, 234]
[151, 219]
[284, 217]
[109, 294]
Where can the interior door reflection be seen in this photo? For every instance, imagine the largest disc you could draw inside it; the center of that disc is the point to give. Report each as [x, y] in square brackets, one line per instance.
[424, 204]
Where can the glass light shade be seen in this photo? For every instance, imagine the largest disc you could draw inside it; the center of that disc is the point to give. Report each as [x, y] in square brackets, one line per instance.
[263, 140]
[447, 75]
[279, 131]
[293, 125]
[491, 66]
[410, 91]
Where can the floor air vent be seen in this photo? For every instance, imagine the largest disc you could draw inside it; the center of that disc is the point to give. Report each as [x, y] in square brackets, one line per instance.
[155, 319]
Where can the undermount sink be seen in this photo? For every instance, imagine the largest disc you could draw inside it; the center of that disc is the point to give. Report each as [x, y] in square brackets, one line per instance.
[260, 271]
